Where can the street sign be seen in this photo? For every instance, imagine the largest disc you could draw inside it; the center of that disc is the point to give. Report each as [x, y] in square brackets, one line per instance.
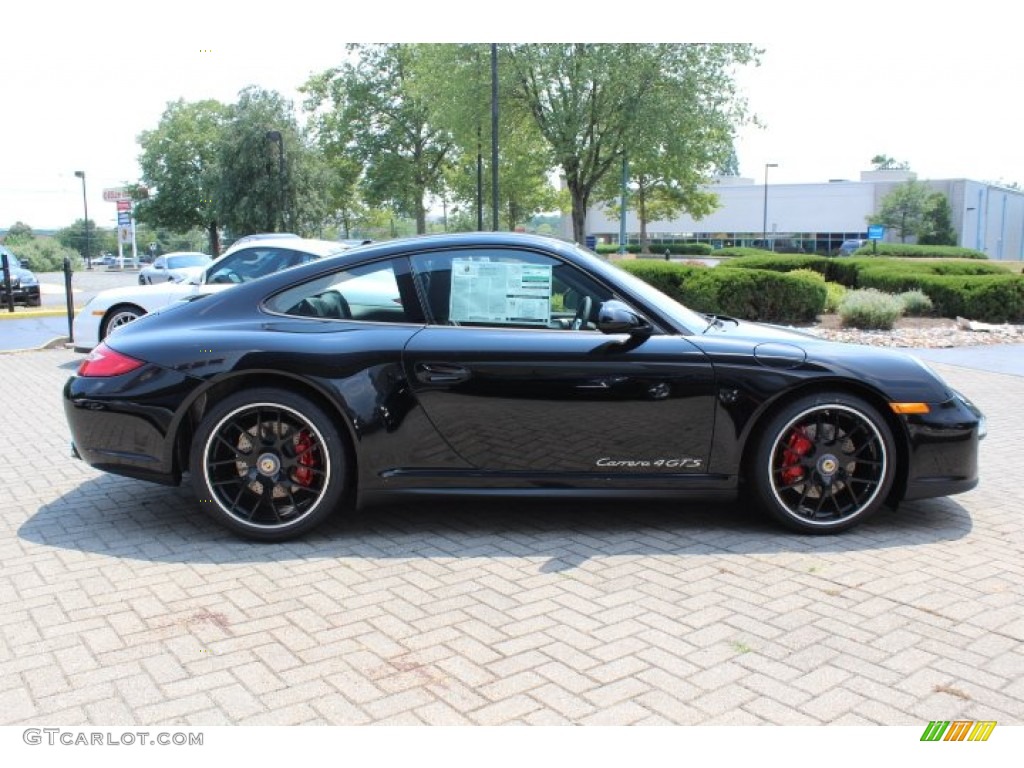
[113, 194]
[876, 232]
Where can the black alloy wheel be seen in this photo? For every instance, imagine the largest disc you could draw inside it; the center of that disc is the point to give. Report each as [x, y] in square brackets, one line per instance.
[824, 463]
[269, 464]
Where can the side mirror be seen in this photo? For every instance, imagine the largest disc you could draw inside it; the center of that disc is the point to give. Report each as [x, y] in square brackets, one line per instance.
[616, 317]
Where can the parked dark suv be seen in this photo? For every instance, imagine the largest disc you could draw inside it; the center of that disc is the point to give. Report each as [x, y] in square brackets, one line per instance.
[24, 285]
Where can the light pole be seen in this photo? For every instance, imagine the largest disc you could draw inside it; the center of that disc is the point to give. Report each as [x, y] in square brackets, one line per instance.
[276, 136]
[764, 223]
[85, 204]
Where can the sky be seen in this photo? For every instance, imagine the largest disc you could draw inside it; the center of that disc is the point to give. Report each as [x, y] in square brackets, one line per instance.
[936, 85]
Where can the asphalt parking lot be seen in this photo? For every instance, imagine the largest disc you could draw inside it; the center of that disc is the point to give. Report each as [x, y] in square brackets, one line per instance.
[121, 604]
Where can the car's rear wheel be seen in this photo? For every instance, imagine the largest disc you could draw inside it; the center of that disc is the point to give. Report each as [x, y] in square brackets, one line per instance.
[824, 463]
[118, 316]
[268, 464]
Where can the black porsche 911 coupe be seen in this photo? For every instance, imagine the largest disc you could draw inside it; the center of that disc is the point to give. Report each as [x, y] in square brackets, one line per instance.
[502, 364]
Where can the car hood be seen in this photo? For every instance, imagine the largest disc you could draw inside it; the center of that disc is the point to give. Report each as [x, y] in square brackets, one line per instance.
[147, 296]
[892, 371]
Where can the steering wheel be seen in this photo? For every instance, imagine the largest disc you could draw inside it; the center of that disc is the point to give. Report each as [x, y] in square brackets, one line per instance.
[582, 313]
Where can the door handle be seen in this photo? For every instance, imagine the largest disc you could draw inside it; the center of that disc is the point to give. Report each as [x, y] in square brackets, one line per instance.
[441, 373]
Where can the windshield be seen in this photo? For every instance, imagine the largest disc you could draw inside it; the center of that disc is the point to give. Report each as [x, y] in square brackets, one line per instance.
[679, 314]
[192, 260]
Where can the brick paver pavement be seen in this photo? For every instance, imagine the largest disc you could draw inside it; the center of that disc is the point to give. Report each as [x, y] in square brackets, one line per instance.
[120, 604]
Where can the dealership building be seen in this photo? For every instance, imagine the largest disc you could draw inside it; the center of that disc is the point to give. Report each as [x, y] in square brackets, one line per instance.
[819, 217]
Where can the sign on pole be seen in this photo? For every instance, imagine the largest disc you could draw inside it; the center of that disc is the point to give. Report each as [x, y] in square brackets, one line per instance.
[876, 232]
[116, 194]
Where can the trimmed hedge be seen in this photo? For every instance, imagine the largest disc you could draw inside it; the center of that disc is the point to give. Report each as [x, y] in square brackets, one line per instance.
[989, 298]
[777, 263]
[737, 251]
[904, 251]
[982, 291]
[751, 294]
[658, 249]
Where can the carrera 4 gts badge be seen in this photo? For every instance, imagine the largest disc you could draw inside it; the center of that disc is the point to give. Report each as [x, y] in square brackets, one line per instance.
[682, 463]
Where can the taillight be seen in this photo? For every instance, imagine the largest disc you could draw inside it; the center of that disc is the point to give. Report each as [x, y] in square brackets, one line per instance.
[104, 361]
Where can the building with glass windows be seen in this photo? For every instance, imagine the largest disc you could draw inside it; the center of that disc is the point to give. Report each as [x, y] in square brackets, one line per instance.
[817, 218]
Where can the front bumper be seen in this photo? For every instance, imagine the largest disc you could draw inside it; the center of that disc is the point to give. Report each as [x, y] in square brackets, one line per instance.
[943, 449]
[23, 294]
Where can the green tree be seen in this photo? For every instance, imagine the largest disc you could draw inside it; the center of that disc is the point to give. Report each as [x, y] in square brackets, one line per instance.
[179, 163]
[269, 178]
[384, 125]
[594, 104]
[902, 210]
[886, 163]
[672, 155]
[454, 81]
[731, 165]
[74, 236]
[19, 232]
[937, 222]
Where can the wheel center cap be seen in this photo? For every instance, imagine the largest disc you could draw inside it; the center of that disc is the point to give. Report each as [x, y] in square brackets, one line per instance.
[827, 465]
[268, 464]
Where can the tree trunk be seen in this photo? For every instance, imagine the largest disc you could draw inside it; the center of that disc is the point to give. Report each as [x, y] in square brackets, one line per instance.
[641, 211]
[579, 212]
[421, 217]
[214, 237]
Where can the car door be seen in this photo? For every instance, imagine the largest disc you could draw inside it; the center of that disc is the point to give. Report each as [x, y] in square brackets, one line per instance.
[514, 375]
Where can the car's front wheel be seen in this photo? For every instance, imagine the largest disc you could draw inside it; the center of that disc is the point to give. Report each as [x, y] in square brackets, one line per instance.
[120, 315]
[824, 463]
[268, 464]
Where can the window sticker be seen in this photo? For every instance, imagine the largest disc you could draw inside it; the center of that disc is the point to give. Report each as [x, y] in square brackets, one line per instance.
[499, 292]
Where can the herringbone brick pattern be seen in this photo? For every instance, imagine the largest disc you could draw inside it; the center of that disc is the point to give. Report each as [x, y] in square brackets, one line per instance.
[121, 604]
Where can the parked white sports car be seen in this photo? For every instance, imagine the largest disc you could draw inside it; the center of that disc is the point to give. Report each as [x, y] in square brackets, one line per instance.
[248, 259]
[177, 267]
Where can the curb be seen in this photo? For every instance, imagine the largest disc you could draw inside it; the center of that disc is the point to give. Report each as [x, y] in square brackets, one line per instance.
[34, 313]
[58, 342]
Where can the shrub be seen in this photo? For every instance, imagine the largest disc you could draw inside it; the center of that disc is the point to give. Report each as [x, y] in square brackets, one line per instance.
[834, 293]
[692, 249]
[45, 254]
[658, 249]
[666, 276]
[808, 273]
[916, 303]
[870, 309]
[610, 248]
[747, 294]
[920, 251]
[778, 263]
[737, 251]
[989, 298]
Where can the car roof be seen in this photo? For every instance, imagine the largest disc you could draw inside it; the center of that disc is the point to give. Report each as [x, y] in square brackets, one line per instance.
[319, 247]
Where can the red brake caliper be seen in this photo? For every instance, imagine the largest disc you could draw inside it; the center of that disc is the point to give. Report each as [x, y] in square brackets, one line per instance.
[303, 444]
[796, 447]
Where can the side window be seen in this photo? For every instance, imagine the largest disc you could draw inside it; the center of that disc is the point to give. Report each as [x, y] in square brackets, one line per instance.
[370, 293]
[254, 263]
[507, 288]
